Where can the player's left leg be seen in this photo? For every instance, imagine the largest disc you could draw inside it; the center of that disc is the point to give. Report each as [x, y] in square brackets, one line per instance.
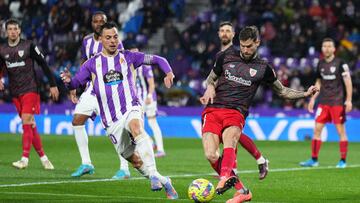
[263, 164]
[39, 148]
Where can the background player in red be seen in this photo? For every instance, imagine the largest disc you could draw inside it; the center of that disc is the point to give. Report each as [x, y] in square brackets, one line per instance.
[237, 76]
[335, 98]
[19, 55]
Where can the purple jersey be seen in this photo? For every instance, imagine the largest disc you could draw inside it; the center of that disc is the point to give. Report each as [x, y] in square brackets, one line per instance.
[332, 90]
[90, 47]
[113, 82]
[143, 73]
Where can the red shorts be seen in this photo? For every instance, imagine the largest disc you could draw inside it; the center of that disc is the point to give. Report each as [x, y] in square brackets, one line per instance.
[327, 114]
[28, 103]
[216, 120]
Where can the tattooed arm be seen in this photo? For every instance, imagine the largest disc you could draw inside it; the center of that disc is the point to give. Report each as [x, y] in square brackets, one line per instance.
[288, 93]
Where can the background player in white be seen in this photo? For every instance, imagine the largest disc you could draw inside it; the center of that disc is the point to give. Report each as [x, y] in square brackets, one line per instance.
[112, 77]
[146, 92]
[87, 106]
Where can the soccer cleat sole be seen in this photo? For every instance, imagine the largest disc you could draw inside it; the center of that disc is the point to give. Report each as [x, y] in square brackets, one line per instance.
[228, 185]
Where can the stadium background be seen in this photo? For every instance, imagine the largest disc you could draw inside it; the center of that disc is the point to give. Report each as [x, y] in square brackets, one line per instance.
[185, 32]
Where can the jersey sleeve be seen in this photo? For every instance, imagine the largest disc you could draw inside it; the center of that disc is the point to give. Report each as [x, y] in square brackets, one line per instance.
[344, 69]
[82, 76]
[219, 61]
[270, 75]
[148, 72]
[36, 55]
[135, 58]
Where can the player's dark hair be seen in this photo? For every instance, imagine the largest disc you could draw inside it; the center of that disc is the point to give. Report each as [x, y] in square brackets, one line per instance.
[328, 39]
[225, 23]
[249, 32]
[108, 25]
[99, 13]
[12, 21]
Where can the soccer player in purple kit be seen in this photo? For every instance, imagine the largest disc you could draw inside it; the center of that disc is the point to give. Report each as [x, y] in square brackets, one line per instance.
[120, 110]
[87, 106]
[19, 56]
[147, 95]
[335, 100]
[231, 85]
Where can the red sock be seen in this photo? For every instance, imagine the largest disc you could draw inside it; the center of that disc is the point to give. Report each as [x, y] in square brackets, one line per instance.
[315, 148]
[227, 162]
[248, 144]
[27, 140]
[343, 149]
[216, 166]
[235, 162]
[37, 143]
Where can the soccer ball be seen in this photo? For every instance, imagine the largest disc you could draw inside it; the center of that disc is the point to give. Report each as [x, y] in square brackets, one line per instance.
[201, 190]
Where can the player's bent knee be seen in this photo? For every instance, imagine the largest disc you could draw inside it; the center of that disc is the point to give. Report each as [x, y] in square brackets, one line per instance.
[211, 157]
[136, 160]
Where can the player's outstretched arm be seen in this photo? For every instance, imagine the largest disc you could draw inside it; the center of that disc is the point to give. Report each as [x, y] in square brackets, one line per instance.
[81, 77]
[2, 86]
[288, 93]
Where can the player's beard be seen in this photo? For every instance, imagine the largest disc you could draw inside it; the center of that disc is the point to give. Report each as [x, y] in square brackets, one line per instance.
[225, 42]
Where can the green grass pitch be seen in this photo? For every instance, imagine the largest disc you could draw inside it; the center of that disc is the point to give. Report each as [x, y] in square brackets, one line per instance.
[286, 182]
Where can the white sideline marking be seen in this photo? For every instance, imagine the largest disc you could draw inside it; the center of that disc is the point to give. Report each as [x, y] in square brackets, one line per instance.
[175, 176]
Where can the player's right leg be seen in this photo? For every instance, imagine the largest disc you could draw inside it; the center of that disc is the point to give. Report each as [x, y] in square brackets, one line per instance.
[322, 116]
[343, 145]
[315, 147]
[134, 124]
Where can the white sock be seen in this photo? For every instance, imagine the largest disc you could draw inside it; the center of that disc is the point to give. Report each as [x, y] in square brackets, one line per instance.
[260, 160]
[25, 159]
[157, 133]
[44, 158]
[124, 165]
[144, 148]
[81, 138]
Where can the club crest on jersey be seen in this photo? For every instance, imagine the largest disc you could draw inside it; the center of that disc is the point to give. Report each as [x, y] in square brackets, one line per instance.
[113, 78]
[7, 56]
[232, 66]
[21, 53]
[122, 60]
[252, 72]
[332, 69]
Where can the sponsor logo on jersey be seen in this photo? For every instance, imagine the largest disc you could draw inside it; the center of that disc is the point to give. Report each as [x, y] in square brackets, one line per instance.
[15, 64]
[328, 77]
[237, 79]
[7, 56]
[252, 72]
[21, 53]
[231, 65]
[113, 78]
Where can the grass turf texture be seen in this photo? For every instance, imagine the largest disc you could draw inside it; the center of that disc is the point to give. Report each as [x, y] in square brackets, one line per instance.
[287, 182]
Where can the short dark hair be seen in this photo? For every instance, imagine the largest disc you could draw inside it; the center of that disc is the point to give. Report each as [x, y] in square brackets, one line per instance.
[328, 39]
[249, 32]
[225, 23]
[12, 21]
[108, 25]
[98, 13]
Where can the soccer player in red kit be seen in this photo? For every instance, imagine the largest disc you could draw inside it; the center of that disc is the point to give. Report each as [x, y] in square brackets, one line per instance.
[226, 34]
[237, 76]
[19, 56]
[335, 99]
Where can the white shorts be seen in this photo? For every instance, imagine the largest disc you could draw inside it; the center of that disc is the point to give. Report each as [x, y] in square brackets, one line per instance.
[151, 109]
[119, 132]
[88, 104]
